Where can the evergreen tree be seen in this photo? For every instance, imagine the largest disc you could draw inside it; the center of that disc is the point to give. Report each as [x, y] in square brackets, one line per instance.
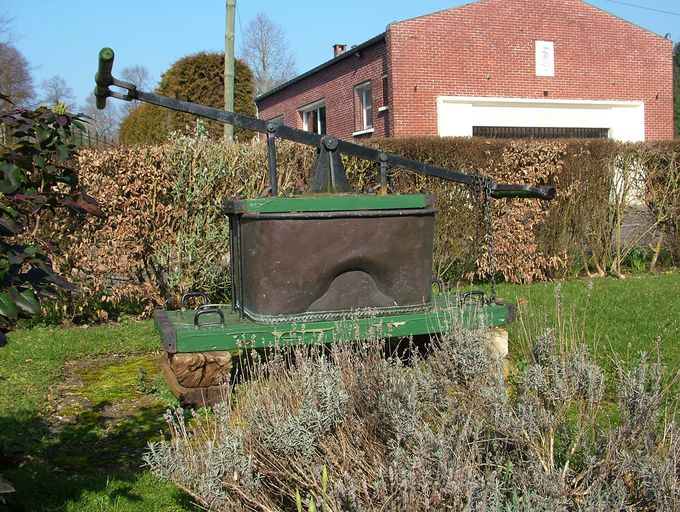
[199, 79]
[144, 124]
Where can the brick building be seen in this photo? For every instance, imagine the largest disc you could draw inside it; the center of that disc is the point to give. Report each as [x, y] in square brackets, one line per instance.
[491, 68]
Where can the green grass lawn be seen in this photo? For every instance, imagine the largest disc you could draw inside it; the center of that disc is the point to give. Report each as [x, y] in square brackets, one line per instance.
[616, 318]
[91, 460]
[61, 420]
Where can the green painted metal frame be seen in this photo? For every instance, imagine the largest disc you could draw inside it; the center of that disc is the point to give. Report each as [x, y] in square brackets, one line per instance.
[181, 335]
[329, 203]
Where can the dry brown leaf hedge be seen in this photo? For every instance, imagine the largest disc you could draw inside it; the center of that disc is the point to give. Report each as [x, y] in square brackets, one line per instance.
[165, 233]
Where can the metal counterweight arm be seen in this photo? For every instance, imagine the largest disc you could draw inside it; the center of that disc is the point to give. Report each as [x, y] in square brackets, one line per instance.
[325, 143]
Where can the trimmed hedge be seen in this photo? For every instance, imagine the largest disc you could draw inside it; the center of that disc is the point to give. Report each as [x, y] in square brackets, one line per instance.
[165, 232]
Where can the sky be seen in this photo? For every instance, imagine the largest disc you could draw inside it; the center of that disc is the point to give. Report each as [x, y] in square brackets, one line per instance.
[64, 37]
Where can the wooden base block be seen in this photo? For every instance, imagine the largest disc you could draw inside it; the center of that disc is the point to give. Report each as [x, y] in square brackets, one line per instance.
[211, 379]
[201, 369]
[499, 341]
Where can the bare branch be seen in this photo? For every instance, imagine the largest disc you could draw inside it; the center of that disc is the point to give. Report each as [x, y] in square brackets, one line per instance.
[265, 50]
[102, 124]
[138, 75]
[15, 76]
[56, 91]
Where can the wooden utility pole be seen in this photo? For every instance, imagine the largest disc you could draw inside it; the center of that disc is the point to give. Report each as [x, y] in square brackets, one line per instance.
[229, 66]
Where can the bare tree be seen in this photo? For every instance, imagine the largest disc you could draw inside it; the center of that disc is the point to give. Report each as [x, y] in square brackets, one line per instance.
[15, 76]
[140, 77]
[102, 124]
[16, 82]
[265, 50]
[6, 35]
[56, 91]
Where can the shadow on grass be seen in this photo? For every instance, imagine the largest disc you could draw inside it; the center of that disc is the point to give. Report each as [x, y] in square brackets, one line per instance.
[92, 462]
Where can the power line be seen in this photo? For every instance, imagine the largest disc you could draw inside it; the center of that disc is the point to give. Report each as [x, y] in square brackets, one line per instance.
[644, 7]
[238, 16]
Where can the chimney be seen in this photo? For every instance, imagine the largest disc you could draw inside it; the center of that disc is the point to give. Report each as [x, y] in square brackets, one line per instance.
[339, 49]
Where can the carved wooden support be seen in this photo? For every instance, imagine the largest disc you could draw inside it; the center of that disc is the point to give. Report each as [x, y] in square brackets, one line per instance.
[201, 369]
[499, 341]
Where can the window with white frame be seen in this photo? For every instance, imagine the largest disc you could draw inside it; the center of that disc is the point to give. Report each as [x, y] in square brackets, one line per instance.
[384, 91]
[314, 117]
[365, 113]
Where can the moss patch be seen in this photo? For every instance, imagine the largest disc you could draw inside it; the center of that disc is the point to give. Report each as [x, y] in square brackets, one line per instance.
[105, 411]
[38, 447]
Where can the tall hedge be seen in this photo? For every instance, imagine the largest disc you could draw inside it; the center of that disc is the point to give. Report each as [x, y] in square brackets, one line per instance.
[165, 231]
[197, 78]
[676, 87]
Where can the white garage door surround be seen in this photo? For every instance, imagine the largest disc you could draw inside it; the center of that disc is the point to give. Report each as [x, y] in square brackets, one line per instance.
[456, 116]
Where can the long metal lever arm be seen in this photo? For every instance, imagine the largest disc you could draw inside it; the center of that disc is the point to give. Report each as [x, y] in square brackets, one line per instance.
[104, 79]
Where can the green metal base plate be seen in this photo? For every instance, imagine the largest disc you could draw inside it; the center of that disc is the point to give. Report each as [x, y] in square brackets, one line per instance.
[181, 335]
[329, 203]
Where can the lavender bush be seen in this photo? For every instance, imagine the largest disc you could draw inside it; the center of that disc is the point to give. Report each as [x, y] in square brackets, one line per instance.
[444, 432]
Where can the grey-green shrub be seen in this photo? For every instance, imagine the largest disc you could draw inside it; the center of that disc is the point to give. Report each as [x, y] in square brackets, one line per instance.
[442, 432]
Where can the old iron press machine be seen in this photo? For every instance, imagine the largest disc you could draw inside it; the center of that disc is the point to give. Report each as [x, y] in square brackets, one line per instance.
[328, 264]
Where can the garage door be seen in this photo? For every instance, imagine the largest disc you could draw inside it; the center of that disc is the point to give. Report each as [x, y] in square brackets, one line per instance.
[465, 117]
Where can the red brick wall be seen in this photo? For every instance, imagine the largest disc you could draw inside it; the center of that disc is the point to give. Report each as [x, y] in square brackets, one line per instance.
[487, 49]
[336, 85]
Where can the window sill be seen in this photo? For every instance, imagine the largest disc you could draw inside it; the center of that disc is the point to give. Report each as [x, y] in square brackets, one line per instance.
[383, 109]
[363, 132]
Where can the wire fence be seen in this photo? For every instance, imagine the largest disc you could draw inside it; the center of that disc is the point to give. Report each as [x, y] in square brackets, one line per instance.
[81, 138]
[85, 139]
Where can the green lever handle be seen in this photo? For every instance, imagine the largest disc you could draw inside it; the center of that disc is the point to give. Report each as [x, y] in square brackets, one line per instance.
[103, 78]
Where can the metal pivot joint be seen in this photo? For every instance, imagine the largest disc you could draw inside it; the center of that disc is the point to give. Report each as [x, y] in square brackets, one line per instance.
[383, 174]
[271, 152]
[329, 174]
